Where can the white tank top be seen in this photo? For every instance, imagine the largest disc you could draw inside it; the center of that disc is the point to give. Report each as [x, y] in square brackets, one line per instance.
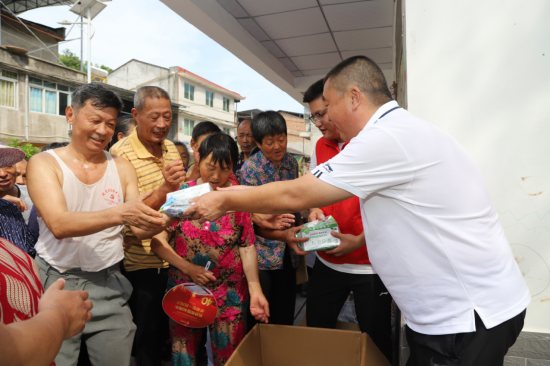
[93, 252]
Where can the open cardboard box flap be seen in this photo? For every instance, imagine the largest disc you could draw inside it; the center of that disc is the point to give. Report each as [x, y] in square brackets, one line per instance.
[278, 345]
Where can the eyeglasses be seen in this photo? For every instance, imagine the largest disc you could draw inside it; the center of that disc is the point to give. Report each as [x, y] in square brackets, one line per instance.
[317, 116]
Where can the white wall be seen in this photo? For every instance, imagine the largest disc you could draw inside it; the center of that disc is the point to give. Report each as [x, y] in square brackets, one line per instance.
[199, 107]
[480, 70]
[135, 73]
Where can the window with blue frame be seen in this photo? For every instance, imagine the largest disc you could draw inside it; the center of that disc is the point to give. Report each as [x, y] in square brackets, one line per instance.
[189, 92]
[226, 102]
[49, 97]
[209, 98]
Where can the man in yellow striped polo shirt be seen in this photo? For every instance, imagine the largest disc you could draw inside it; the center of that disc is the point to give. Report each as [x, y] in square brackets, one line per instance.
[159, 169]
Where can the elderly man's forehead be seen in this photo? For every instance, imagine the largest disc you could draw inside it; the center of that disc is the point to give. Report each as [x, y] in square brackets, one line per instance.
[244, 123]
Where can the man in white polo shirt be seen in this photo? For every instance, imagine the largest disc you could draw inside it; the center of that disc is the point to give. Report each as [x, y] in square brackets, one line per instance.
[433, 234]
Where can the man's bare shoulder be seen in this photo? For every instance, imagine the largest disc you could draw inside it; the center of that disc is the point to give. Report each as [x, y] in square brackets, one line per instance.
[43, 160]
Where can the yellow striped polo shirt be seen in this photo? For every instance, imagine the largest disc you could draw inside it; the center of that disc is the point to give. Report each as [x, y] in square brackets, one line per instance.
[149, 174]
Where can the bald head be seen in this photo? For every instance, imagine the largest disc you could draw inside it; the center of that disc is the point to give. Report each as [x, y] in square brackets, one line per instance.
[363, 73]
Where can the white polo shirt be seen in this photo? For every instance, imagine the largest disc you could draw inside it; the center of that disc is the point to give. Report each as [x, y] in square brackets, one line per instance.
[432, 231]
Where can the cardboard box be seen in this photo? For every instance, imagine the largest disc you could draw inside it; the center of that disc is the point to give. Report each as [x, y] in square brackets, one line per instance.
[279, 345]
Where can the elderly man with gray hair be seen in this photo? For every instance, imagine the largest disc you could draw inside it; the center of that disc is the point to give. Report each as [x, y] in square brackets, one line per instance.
[84, 196]
[159, 168]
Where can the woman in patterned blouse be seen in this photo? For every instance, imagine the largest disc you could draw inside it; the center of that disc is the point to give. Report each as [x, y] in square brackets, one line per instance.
[228, 244]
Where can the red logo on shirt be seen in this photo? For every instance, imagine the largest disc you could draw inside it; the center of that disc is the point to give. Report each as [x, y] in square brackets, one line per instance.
[111, 196]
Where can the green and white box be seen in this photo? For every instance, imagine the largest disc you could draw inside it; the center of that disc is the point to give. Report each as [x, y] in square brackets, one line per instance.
[319, 236]
[178, 202]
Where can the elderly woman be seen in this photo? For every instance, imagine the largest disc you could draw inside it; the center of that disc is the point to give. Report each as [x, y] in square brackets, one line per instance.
[228, 244]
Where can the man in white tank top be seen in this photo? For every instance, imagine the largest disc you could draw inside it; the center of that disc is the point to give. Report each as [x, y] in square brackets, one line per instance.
[84, 196]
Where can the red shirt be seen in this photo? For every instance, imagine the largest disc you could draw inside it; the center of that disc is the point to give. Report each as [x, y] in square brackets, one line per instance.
[20, 285]
[346, 213]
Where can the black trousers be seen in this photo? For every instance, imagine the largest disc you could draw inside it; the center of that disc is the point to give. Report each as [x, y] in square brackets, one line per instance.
[484, 347]
[279, 288]
[328, 290]
[149, 317]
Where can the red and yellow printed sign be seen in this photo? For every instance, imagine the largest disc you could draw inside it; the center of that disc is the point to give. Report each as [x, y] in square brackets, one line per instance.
[188, 308]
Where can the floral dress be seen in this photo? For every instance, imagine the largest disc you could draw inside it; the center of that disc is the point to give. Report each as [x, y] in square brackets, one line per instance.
[217, 242]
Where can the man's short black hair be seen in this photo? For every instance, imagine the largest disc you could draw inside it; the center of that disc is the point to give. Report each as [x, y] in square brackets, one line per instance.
[99, 96]
[364, 73]
[268, 123]
[314, 91]
[204, 128]
[223, 148]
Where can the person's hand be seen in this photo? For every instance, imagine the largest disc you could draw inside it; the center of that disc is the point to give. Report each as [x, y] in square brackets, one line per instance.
[199, 275]
[289, 237]
[174, 174]
[274, 222]
[136, 213]
[348, 243]
[72, 307]
[259, 308]
[21, 205]
[315, 214]
[208, 207]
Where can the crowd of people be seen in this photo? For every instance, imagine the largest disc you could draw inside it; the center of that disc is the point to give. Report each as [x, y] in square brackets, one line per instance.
[86, 256]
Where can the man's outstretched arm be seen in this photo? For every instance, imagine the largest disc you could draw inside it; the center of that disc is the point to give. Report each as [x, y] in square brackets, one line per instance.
[274, 198]
[47, 195]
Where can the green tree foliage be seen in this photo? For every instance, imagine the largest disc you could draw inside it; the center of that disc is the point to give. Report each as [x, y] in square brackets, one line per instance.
[29, 149]
[71, 60]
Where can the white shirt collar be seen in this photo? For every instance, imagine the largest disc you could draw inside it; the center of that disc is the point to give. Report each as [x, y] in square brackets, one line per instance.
[383, 109]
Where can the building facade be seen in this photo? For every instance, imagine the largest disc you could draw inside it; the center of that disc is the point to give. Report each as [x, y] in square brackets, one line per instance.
[34, 94]
[198, 99]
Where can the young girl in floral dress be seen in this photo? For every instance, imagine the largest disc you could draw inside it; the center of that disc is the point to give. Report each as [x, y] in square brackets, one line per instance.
[228, 244]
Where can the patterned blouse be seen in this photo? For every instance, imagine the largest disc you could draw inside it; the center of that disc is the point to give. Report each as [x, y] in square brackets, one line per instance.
[14, 228]
[256, 171]
[217, 242]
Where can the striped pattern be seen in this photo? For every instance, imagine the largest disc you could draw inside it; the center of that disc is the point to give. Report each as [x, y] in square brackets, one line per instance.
[149, 173]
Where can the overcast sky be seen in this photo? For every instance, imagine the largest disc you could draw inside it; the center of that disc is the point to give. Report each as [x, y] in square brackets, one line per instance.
[149, 31]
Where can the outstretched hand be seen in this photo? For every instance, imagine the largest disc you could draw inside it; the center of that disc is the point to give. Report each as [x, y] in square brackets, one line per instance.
[207, 207]
[274, 222]
[291, 239]
[259, 308]
[136, 213]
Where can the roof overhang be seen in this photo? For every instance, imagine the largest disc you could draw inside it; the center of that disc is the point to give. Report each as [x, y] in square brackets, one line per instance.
[21, 6]
[293, 43]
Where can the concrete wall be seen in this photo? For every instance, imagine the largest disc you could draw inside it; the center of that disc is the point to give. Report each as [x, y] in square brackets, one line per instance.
[15, 34]
[43, 128]
[295, 125]
[480, 71]
[135, 73]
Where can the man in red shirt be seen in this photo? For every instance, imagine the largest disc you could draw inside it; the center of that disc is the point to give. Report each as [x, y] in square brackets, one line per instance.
[338, 272]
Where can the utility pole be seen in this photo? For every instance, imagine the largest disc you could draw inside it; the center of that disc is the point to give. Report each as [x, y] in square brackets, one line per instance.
[89, 45]
[81, 45]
